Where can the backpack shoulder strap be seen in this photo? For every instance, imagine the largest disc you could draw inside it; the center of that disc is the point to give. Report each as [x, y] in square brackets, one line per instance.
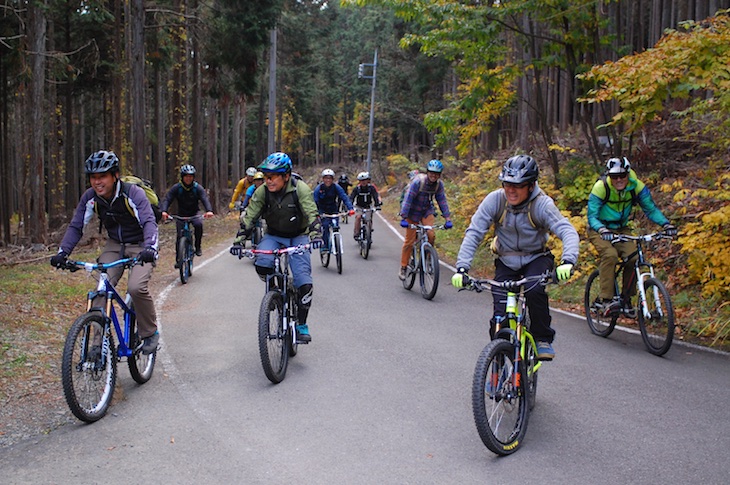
[502, 211]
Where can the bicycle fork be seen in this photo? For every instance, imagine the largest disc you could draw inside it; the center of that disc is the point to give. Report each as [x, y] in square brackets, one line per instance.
[641, 277]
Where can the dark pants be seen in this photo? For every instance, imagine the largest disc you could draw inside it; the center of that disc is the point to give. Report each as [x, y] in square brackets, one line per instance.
[537, 298]
[197, 231]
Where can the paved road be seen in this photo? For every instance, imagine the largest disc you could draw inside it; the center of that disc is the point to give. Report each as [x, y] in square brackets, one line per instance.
[382, 395]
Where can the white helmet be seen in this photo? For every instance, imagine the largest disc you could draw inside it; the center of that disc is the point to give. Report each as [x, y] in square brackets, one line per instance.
[251, 171]
[618, 165]
[328, 172]
[363, 176]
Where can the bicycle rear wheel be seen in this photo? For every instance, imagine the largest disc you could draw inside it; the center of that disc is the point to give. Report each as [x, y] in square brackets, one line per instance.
[500, 408]
[273, 343]
[140, 365]
[89, 367]
[658, 330]
[183, 259]
[430, 272]
[599, 324]
[411, 271]
[338, 251]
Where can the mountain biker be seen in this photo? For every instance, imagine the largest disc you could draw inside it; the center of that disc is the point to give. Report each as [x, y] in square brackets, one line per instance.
[522, 215]
[286, 203]
[364, 196]
[610, 203]
[327, 196]
[188, 193]
[417, 208]
[242, 186]
[258, 180]
[127, 215]
[344, 182]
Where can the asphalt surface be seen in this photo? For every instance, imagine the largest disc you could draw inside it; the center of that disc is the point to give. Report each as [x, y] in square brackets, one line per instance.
[383, 395]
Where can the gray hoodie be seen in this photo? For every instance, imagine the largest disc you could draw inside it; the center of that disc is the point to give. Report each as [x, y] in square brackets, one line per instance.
[518, 241]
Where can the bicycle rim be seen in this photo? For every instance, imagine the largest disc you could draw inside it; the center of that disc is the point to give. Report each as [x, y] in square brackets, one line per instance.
[273, 346]
[500, 408]
[140, 365]
[429, 272]
[600, 325]
[88, 382]
[657, 330]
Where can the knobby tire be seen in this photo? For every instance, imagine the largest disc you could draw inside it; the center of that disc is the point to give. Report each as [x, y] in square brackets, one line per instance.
[338, 252]
[429, 272]
[273, 342]
[141, 366]
[184, 259]
[658, 330]
[501, 412]
[88, 385]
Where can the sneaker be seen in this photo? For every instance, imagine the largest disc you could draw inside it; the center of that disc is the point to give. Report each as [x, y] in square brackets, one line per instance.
[402, 273]
[151, 343]
[177, 264]
[545, 351]
[303, 336]
[198, 252]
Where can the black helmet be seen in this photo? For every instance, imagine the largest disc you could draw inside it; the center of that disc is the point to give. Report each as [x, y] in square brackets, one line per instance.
[519, 169]
[101, 162]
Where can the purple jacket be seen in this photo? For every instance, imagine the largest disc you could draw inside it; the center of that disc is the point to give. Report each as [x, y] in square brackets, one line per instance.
[128, 218]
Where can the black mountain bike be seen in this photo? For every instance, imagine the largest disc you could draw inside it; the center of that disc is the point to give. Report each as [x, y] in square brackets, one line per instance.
[185, 247]
[365, 238]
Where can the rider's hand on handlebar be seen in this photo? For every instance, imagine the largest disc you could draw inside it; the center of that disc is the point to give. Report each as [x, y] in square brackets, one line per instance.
[147, 255]
[606, 235]
[351, 212]
[165, 216]
[669, 229]
[448, 225]
[59, 260]
[460, 279]
[404, 223]
[564, 271]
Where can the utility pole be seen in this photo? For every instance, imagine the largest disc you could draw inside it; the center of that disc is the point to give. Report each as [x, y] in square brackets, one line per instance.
[272, 93]
[361, 74]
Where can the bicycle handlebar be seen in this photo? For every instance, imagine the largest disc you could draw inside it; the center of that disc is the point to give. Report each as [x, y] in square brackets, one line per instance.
[427, 228]
[74, 266]
[644, 238]
[251, 253]
[480, 284]
[180, 218]
[333, 216]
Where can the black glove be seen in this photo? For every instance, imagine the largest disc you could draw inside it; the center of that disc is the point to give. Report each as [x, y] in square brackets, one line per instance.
[606, 235]
[315, 228]
[59, 260]
[245, 231]
[669, 229]
[316, 242]
[147, 255]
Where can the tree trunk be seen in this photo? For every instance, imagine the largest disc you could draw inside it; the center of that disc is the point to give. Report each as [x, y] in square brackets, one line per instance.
[139, 165]
[212, 171]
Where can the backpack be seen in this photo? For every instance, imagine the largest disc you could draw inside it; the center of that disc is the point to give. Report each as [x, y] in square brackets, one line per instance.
[180, 190]
[145, 185]
[529, 209]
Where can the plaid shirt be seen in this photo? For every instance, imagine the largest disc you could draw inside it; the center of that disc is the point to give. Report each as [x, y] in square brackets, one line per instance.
[417, 204]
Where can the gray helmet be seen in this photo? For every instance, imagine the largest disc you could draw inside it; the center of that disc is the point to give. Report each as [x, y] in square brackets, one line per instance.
[101, 162]
[187, 170]
[251, 171]
[618, 165]
[519, 169]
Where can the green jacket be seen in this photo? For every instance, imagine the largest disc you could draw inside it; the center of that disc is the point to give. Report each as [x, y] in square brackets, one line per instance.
[288, 213]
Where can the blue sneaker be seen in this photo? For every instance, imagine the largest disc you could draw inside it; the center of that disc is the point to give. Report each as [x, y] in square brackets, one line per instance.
[303, 336]
[545, 351]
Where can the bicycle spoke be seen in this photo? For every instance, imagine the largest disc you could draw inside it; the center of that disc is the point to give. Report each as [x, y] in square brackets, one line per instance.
[657, 329]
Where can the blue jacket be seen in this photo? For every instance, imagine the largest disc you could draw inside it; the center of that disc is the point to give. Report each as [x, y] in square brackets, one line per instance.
[327, 198]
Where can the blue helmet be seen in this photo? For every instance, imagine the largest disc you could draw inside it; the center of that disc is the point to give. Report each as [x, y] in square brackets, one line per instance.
[435, 166]
[276, 163]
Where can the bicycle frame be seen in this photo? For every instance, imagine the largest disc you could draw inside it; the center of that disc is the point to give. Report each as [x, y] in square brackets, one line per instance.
[334, 228]
[643, 269]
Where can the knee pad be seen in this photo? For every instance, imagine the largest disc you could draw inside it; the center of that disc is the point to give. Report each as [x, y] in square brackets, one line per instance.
[305, 295]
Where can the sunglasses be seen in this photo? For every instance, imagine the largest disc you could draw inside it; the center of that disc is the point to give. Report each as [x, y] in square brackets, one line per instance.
[618, 176]
[508, 185]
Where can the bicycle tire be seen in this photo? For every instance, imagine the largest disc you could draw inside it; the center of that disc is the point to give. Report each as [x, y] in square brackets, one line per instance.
[599, 324]
[411, 271]
[501, 412]
[273, 343]
[364, 242]
[141, 366]
[429, 272]
[88, 386]
[324, 257]
[338, 252]
[658, 331]
[182, 251]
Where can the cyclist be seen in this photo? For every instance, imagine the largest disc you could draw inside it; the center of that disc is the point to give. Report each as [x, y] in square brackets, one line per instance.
[610, 203]
[522, 215]
[344, 182]
[258, 180]
[242, 186]
[411, 174]
[363, 196]
[417, 208]
[286, 203]
[327, 196]
[127, 215]
[189, 194]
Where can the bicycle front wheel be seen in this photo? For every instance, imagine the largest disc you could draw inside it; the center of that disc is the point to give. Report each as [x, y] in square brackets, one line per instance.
[658, 329]
[324, 257]
[500, 398]
[140, 365]
[364, 241]
[89, 368]
[599, 323]
[273, 344]
[429, 272]
[338, 251]
[183, 259]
